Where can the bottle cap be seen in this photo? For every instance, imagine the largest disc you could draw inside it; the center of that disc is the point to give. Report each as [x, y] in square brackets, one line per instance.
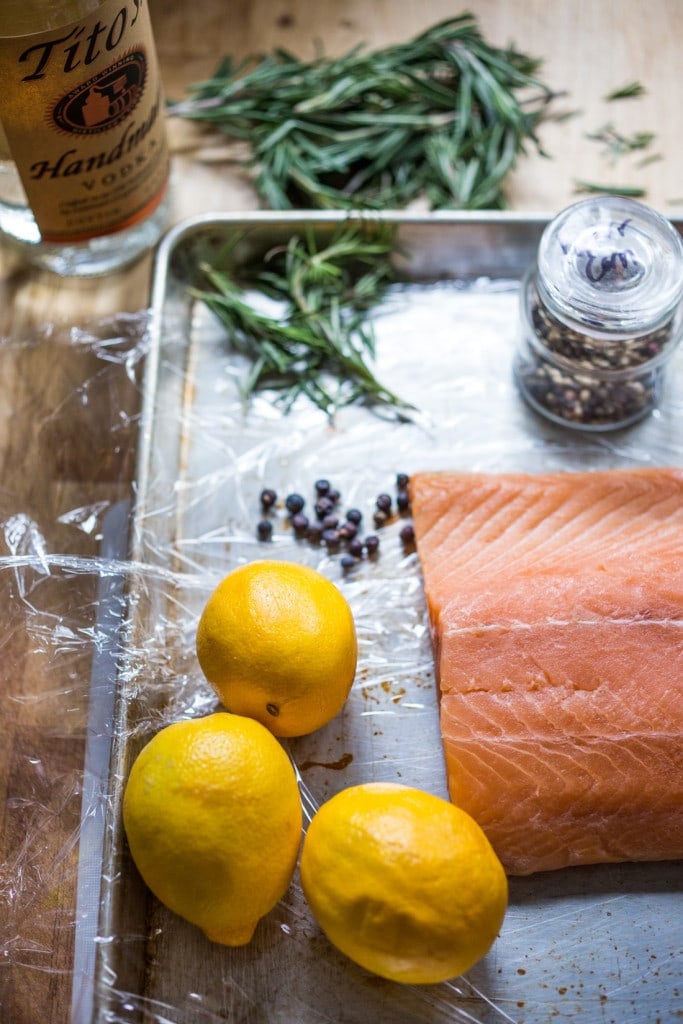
[611, 265]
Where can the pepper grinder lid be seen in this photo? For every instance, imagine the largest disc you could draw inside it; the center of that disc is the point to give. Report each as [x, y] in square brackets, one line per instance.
[609, 265]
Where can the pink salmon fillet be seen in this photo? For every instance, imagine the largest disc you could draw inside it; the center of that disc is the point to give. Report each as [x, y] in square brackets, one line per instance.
[556, 612]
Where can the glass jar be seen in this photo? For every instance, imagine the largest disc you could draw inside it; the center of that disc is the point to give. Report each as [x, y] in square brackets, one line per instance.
[601, 314]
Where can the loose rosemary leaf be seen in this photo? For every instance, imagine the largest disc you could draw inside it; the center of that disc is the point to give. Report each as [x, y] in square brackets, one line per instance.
[442, 116]
[321, 340]
[617, 144]
[593, 188]
[632, 90]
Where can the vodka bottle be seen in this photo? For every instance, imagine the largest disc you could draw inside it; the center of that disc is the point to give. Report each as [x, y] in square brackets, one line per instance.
[83, 153]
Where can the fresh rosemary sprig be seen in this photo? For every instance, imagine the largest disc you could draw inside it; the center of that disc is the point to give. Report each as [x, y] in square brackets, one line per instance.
[318, 339]
[443, 116]
[616, 144]
[626, 191]
[632, 90]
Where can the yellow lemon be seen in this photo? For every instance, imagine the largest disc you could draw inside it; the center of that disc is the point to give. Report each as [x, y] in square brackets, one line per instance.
[277, 641]
[213, 818]
[404, 883]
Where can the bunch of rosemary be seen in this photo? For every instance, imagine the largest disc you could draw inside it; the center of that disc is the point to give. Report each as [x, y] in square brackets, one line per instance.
[319, 338]
[443, 116]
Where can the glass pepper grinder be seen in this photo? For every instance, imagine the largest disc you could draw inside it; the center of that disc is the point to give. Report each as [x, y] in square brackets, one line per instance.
[601, 314]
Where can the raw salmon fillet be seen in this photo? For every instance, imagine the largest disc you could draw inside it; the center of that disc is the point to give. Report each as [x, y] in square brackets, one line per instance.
[556, 611]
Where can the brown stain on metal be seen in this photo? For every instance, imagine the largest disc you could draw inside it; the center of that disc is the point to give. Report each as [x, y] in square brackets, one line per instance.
[335, 766]
[387, 687]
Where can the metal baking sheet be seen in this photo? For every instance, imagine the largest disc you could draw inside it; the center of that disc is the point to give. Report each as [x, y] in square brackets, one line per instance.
[596, 943]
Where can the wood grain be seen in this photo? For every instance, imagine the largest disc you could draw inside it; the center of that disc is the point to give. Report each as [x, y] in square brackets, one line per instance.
[587, 50]
[67, 420]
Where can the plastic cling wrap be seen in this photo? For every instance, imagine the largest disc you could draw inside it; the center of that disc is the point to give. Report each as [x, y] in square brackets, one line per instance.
[68, 440]
[102, 630]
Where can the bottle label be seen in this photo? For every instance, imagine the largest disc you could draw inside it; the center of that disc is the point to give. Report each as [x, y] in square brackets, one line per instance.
[83, 111]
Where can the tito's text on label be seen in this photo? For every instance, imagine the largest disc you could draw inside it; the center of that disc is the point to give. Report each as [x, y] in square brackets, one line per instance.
[78, 48]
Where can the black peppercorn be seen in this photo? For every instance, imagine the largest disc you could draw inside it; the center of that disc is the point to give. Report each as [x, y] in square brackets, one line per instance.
[407, 536]
[300, 524]
[294, 503]
[268, 497]
[324, 507]
[372, 544]
[348, 530]
[356, 548]
[383, 502]
[264, 529]
[331, 540]
[403, 501]
[314, 533]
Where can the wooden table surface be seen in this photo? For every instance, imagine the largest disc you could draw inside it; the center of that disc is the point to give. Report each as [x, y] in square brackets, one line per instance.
[68, 412]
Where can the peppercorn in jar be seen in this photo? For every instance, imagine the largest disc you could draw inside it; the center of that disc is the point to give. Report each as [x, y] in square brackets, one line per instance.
[601, 314]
